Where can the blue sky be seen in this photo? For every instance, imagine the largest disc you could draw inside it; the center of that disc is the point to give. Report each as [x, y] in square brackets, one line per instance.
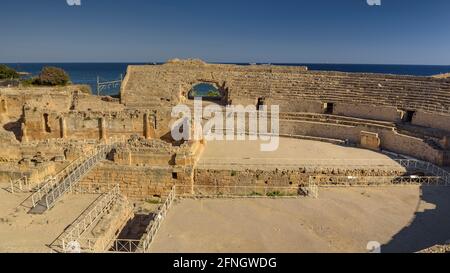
[305, 31]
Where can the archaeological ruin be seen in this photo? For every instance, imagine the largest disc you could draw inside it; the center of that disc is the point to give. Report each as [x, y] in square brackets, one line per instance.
[117, 158]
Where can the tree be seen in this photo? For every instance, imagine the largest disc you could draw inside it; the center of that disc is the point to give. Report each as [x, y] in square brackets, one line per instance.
[7, 72]
[53, 76]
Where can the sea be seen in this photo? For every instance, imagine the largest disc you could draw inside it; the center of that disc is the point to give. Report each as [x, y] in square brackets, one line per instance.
[88, 73]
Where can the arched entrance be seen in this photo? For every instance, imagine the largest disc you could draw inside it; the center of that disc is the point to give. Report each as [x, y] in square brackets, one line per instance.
[208, 91]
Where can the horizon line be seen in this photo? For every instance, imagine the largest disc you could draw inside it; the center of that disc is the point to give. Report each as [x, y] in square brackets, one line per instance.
[238, 63]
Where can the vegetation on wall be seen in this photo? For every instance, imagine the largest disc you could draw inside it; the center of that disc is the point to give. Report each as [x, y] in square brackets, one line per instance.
[205, 90]
[7, 73]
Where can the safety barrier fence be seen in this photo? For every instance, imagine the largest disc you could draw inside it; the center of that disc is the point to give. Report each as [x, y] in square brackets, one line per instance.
[348, 181]
[154, 226]
[76, 231]
[51, 192]
[19, 185]
[426, 167]
[89, 217]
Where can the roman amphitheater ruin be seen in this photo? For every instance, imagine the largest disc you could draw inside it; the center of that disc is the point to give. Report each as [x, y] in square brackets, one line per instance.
[99, 174]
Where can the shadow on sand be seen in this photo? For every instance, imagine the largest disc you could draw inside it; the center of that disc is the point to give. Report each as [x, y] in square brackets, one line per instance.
[430, 225]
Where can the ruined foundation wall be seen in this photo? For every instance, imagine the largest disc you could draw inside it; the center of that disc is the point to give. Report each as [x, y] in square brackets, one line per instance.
[137, 182]
[41, 124]
[276, 178]
[52, 98]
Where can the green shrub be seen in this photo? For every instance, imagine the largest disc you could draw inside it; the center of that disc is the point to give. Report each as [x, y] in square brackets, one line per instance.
[213, 93]
[53, 76]
[153, 201]
[29, 82]
[7, 72]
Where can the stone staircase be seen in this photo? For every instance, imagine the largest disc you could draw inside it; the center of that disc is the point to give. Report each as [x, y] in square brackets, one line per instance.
[48, 195]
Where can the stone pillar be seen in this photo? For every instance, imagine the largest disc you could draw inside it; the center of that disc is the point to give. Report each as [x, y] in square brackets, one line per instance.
[62, 127]
[24, 133]
[103, 129]
[146, 126]
[3, 107]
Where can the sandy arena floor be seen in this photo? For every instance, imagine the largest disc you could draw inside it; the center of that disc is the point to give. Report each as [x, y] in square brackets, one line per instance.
[291, 153]
[22, 232]
[402, 219]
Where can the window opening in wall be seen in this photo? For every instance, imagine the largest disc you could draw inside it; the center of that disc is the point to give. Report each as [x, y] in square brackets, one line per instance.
[329, 108]
[261, 103]
[206, 91]
[174, 175]
[408, 116]
[3, 106]
[46, 126]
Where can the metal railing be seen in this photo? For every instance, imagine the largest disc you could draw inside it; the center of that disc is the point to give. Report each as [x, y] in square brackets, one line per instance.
[89, 217]
[51, 192]
[154, 226]
[313, 188]
[427, 167]
[409, 164]
[103, 245]
[20, 185]
[42, 191]
[365, 181]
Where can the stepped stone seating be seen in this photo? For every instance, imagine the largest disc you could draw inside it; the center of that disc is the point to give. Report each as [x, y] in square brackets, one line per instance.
[279, 84]
[376, 103]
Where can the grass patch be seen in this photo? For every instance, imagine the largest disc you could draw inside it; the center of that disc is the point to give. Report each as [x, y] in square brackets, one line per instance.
[153, 201]
[274, 194]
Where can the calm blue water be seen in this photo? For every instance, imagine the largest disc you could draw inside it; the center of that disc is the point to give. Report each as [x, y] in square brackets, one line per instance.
[86, 73]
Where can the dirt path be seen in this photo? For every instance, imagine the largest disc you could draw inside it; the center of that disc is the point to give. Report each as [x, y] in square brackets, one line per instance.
[341, 220]
[22, 232]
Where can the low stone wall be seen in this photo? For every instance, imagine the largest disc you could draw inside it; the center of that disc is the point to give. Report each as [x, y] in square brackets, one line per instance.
[412, 146]
[142, 183]
[110, 225]
[277, 178]
[383, 113]
[137, 182]
[389, 139]
[432, 121]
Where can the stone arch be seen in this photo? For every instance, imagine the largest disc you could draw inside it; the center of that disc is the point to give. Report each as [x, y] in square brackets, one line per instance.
[216, 86]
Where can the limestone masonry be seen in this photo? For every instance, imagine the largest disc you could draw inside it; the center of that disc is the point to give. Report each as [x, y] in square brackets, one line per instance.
[46, 128]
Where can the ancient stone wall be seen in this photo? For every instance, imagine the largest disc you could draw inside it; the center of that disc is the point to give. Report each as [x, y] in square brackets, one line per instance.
[289, 87]
[42, 124]
[432, 120]
[138, 182]
[389, 139]
[278, 177]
